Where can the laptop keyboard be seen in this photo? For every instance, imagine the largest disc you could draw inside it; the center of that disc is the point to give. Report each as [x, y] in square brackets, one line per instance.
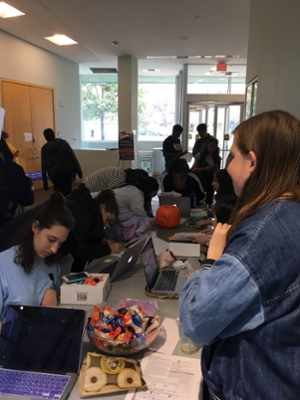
[167, 281]
[32, 384]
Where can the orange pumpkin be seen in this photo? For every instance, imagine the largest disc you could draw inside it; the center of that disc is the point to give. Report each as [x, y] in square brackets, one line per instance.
[168, 216]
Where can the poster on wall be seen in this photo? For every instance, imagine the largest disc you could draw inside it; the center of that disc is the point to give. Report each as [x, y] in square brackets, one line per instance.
[126, 146]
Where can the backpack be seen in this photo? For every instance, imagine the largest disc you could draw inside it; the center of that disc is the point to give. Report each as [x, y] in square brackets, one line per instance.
[19, 185]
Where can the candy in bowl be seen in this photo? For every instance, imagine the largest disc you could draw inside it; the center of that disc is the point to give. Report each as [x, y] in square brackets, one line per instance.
[125, 328]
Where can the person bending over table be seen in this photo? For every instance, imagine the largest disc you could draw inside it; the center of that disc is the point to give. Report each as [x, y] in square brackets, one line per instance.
[29, 271]
[135, 207]
[245, 305]
[112, 177]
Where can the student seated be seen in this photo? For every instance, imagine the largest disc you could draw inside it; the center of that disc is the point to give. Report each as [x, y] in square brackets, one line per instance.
[181, 179]
[135, 206]
[222, 213]
[29, 271]
[87, 240]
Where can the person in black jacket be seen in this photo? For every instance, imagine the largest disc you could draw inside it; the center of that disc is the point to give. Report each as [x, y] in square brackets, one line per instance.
[7, 206]
[59, 162]
[87, 240]
[181, 179]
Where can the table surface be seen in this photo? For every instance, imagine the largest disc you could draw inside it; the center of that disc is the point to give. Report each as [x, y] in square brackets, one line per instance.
[132, 285]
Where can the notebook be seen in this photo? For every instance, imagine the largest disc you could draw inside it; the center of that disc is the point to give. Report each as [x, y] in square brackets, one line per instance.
[160, 280]
[183, 203]
[116, 266]
[40, 351]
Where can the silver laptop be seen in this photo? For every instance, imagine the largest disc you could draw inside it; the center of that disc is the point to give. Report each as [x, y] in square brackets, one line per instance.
[183, 203]
[116, 266]
[40, 351]
[160, 280]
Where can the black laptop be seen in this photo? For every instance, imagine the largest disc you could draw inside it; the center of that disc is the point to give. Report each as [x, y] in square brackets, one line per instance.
[40, 351]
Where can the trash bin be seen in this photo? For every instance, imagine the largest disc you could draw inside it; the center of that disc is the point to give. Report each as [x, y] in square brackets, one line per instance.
[145, 161]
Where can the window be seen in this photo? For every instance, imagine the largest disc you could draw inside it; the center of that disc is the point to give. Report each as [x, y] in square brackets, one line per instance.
[156, 108]
[99, 108]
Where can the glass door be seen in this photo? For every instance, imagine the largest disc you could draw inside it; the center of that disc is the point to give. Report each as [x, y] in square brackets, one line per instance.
[221, 119]
[227, 118]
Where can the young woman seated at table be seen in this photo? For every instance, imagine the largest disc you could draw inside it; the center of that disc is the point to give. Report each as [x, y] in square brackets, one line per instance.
[135, 206]
[181, 179]
[87, 240]
[222, 213]
[222, 185]
[29, 272]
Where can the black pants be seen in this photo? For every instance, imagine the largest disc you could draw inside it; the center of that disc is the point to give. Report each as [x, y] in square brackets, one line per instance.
[63, 183]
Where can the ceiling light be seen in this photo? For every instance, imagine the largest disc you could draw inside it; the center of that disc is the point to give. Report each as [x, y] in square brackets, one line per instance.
[183, 37]
[61, 40]
[159, 57]
[151, 70]
[114, 43]
[7, 11]
[220, 56]
[208, 56]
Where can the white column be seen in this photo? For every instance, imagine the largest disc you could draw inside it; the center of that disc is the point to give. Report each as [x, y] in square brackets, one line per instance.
[127, 93]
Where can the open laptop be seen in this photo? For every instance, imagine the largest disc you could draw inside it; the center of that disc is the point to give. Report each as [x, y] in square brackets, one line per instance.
[40, 351]
[183, 203]
[116, 266]
[160, 280]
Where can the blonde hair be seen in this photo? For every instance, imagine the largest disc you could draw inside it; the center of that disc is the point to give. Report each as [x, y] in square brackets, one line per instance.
[274, 137]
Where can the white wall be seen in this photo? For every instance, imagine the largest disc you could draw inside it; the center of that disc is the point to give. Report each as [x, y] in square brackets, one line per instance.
[273, 54]
[23, 62]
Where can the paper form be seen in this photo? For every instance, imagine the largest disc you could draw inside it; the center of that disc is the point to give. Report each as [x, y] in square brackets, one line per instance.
[169, 377]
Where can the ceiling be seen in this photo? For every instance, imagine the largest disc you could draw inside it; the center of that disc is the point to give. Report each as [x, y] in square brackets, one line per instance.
[156, 28]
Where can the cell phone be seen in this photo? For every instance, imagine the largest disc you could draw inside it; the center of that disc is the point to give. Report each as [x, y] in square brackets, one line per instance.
[77, 277]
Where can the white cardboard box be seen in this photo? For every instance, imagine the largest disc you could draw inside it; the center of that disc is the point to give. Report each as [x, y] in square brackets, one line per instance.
[77, 293]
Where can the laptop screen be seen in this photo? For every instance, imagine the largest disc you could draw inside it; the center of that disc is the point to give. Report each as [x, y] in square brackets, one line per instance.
[149, 261]
[38, 338]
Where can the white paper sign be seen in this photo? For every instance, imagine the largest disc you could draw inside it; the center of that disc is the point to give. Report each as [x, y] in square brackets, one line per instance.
[2, 113]
[28, 137]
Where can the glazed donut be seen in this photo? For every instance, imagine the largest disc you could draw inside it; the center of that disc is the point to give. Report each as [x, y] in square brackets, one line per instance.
[112, 365]
[128, 379]
[95, 379]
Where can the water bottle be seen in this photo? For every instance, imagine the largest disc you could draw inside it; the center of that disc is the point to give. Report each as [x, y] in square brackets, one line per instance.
[192, 199]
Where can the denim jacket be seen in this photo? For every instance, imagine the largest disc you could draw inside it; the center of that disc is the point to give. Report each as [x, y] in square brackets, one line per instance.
[246, 309]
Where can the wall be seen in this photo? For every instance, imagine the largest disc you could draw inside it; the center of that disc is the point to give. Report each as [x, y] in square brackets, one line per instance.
[92, 160]
[273, 54]
[23, 62]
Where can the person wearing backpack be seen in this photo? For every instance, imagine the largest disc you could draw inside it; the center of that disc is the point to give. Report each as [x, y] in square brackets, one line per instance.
[59, 162]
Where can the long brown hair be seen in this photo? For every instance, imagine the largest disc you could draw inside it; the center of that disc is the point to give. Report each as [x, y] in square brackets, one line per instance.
[53, 212]
[274, 137]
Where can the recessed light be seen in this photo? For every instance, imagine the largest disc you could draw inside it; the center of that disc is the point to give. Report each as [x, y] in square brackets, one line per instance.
[61, 40]
[114, 43]
[218, 56]
[151, 70]
[7, 11]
